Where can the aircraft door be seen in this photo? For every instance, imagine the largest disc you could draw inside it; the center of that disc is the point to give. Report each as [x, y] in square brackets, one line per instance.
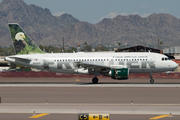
[152, 60]
[46, 64]
[111, 61]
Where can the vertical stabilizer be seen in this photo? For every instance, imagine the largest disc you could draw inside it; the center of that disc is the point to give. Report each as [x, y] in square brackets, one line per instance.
[21, 41]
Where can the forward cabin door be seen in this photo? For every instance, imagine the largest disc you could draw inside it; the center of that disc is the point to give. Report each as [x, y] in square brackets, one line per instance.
[152, 62]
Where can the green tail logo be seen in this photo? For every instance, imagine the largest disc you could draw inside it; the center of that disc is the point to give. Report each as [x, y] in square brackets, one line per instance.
[21, 41]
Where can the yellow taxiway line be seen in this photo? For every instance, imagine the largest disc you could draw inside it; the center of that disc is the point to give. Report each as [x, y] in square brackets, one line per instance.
[158, 117]
[77, 80]
[39, 115]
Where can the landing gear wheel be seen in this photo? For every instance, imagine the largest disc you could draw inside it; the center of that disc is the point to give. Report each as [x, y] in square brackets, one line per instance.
[151, 81]
[95, 80]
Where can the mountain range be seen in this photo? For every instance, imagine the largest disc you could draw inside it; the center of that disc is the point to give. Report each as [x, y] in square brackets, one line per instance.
[46, 29]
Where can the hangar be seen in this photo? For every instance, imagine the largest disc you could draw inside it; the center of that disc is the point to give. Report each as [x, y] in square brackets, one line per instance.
[138, 48]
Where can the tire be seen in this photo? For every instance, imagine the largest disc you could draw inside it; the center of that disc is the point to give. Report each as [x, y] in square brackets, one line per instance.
[95, 80]
[151, 81]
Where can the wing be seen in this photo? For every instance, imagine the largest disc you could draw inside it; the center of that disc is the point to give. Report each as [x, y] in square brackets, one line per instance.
[103, 69]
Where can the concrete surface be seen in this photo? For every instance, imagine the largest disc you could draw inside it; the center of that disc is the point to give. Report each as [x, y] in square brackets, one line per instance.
[68, 96]
[71, 108]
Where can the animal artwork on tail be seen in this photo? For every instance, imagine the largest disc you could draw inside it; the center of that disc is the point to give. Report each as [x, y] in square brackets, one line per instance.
[22, 43]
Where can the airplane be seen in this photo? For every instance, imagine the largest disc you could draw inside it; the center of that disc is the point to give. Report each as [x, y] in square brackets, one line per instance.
[116, 65]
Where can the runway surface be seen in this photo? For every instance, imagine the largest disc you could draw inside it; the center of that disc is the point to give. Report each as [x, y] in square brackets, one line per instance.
[77, 80]
[75, 117]
[131, 99]
[74, 108]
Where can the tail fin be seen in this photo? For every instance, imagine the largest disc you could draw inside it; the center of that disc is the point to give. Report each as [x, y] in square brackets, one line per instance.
[21, 41]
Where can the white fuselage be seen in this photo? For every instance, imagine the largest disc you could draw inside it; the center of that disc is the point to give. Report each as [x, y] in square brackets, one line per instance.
[138, 62]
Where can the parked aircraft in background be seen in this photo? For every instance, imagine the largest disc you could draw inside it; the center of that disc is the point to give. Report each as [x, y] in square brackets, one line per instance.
[115, 65]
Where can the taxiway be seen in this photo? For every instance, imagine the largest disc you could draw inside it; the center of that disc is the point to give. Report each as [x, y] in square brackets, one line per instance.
[134, 98]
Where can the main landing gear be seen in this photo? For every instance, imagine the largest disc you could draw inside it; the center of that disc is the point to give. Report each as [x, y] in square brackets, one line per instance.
[95, 80]
[151, 80]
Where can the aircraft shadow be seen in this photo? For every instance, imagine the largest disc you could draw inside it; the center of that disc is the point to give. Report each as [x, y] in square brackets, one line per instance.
[81, 83]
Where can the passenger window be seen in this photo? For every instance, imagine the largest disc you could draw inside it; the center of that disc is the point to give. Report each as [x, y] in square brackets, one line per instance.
[162, 59]
[166, 59]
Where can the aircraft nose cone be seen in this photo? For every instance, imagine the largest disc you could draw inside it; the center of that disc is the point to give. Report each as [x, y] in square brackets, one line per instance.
[175, 65]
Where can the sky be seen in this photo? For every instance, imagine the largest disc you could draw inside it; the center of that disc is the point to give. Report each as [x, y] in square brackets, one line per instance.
[93, 11]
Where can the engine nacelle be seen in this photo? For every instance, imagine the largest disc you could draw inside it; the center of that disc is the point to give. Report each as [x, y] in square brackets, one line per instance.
[119, 74]
[81, 71]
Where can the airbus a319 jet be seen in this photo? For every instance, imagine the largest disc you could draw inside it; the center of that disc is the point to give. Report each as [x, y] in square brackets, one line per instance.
[116, 65]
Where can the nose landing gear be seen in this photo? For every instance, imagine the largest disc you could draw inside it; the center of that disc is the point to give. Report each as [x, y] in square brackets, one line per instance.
[151, 80]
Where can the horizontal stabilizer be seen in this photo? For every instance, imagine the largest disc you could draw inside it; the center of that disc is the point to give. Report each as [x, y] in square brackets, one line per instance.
[21, 58]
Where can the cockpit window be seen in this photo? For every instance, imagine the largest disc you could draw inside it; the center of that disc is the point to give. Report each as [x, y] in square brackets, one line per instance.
[165, 59]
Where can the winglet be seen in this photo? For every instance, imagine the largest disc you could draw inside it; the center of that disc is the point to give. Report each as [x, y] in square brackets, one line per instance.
[21, 41]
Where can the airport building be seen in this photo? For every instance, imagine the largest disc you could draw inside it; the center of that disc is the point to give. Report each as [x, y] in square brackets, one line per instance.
[138, 48]
[4, 65]
[172, 50]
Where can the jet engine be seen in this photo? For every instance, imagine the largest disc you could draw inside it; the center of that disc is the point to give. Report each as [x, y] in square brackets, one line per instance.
[119, 74]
